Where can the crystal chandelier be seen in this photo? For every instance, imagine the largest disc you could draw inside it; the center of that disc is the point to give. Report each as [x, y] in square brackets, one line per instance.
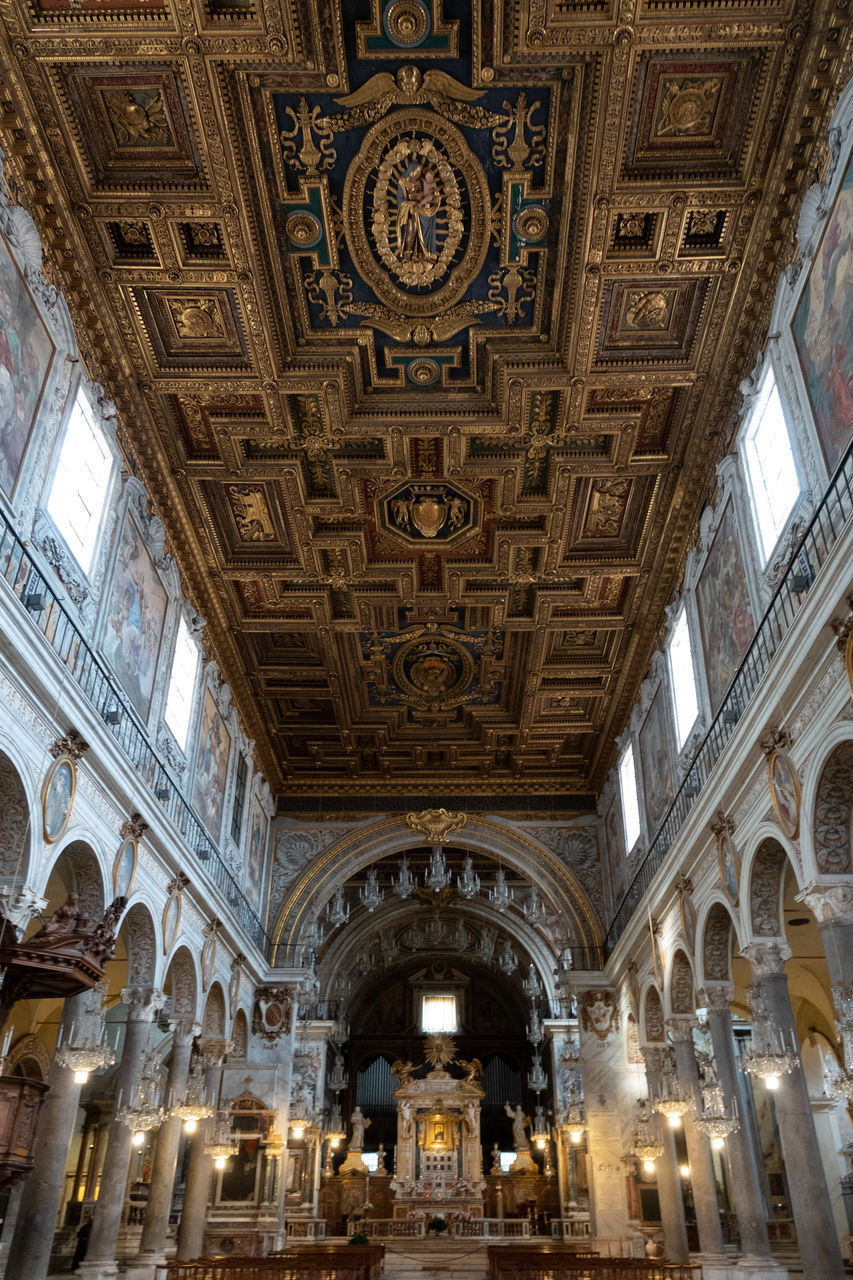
[437, 876]
[769, 1058]
[536, 1078]
[144, 1111]
[540, 1133]
[338, 910]
[335, 1133]
[500, 895]
[84, 1049]
[338, 1077]
[840, 1084]
[531, 986]
[671, 1102]
[371, 893]
[717, 1121]
[535, 1034]
[644, 1145]
[223, 1143]
[468, 883]
[534, 910]
[576, 1123]
[403, 883]
[194, 1107]
[507, 959]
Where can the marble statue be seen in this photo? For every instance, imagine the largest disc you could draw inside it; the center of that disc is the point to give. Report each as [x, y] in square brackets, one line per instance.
[518, 1118]
[359, 1124]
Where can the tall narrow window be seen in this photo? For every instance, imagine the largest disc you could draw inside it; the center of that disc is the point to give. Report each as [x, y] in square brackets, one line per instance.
[770, 465]
[438, 1013]
[179, 699]
[630, 801]
[78, 493]
[239, 798]
[683, 678]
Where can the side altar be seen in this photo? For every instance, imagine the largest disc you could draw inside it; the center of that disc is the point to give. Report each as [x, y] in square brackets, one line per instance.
[438, 1157]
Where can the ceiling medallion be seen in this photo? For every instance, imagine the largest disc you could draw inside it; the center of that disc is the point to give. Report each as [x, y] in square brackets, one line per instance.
[406, 23]
[439, 512]
[434, 673]
[417, 212]
[531, 224]
[303, 229]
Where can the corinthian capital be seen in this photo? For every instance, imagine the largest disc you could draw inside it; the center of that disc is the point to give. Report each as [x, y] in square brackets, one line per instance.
[143, 1003]
[828, 901]
[716, 996]
[767, 957]
[18, 905]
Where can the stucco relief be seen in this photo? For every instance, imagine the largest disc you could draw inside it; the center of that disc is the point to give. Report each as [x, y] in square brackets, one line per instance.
[88, 883]
[13, 806]
[654, 1017]
[214, 1012]
[138, 931]
[716, 951]
[764, 890]
[294, 849]
[183, 986]
[681, 985]
[577, 850]
[833, 812]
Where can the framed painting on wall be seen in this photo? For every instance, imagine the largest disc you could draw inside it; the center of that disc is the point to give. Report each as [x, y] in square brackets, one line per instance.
[785, 792]
[255, 857]
[725, 613]
[728, 859]
[211, 771]
[57, 798]
[136, 616]
[656, 760]
[821, 327]
[124, 868]
[171, 920]
[26, 355]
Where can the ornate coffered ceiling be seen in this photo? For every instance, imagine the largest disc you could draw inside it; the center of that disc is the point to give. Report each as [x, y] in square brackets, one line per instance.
[425, 319]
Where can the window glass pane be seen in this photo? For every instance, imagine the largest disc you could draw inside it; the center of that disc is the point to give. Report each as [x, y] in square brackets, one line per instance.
[770, 465]
[630, 801]
[683, 678]
[239, 799]
[438, 1013]
[179, 699]
[78, 493]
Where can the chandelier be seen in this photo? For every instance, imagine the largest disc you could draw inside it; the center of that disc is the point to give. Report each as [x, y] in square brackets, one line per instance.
[540, 1132]
[335, 1132]
[194, 1107]
[507, 959]
[717, 1121]
[468, 883]
[500, 895]
[534, 910]
[371, 893]
[223, 1143]
[770, 1057]
[840, 1084]
[338, 910]
[531, 986]
[671, 1102]
[576, 1122]
[437, 876]
[144, 1111]
[644, 1145]
[536, 1078]
[84, 1050]
[403, 883]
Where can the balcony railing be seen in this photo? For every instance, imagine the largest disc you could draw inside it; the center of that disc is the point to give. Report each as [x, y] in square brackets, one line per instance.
[812, 552]
[25, 579]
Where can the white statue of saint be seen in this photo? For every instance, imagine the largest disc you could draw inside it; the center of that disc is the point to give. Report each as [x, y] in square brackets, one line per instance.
[359, 1124]
[405, 1119]
[519, 1137]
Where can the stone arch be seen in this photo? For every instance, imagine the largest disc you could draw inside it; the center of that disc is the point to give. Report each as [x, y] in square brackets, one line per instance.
[832, 824]
[140, 939]
[715, 943]
[652, 1013]
[681, 999]
[182, 978]
[78, 869]
[766, 886]
[20, 830]
[213, 1023]
[28, 1057]
[318, 881]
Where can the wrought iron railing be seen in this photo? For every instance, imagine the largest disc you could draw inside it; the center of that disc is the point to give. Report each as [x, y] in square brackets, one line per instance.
[26, 580]
[830, 519]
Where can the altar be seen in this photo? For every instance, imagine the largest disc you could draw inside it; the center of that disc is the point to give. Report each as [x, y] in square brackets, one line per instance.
[438, 1163]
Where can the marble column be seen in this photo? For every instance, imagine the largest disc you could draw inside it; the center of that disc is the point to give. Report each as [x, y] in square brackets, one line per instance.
[200, 1168]
[832, 905]
[100, 1262]
[818, 1243]
[41, 1194]
[699, 1157]
[668, 1178]
[747, 1194]
[155, 1225]
[607, 1107]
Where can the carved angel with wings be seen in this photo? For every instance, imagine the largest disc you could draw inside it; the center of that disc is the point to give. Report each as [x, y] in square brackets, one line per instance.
[411, 88]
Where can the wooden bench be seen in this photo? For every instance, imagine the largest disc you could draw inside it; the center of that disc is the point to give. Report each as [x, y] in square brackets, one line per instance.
[302, 1262]
[552, 1261]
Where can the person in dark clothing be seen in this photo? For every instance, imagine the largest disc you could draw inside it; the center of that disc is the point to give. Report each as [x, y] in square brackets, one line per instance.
[82, 1244]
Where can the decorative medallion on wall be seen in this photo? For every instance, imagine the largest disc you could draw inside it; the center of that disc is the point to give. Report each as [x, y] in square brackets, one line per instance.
[785, 791]
[428, 512]
[172, 912]
[727, 857]
[57, 797]
[273, 1012]
[599, 1013]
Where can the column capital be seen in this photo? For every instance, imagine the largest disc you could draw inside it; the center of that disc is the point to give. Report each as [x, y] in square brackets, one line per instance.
[184, 1029]
[681, 1025]
[828, 901]
[18, 905]
[716, 996]
[767, 956]
[655, 1056]
[143, 1003]
[213, 1050]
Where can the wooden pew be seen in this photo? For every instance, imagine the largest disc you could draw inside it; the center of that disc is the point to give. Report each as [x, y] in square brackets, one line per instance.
[552, 1261]
[303, 1262]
